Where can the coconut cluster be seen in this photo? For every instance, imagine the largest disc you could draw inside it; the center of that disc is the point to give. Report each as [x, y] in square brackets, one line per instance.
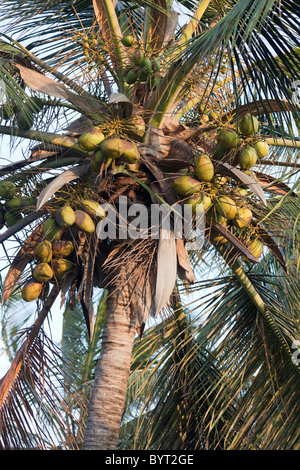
[141, 67]
[221, 199]
[22, 116]
[55, 255]
[13, 204]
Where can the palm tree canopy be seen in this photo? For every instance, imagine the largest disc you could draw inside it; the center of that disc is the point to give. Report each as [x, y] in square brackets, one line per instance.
[125, 99]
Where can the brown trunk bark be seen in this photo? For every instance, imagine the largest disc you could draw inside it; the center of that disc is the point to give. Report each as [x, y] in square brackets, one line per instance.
[109, 389]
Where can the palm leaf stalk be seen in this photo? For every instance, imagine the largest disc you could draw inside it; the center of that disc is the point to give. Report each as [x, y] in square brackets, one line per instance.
[153, 113]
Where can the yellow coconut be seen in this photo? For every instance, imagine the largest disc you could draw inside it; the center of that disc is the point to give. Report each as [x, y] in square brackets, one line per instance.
[217, 238]
[226, 207]
[62, 248]
[130, 153]
[31, 290]
[247, 157]
[61, 266]
[196, 200]
[42, 272]
[43, 251]
[94, 208]
[186, 185]
[91, 139]
[84, 222]
[243, 217]
[248, 125]
[65, 216]
[262, 148]
[112, 147]
[204, 168]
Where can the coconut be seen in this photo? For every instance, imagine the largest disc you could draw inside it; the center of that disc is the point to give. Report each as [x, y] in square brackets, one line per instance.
[130, 153]
[204, 168]
[255, 247]
[247, 157]
[97, 160]
[212, 217]
[91, 139]
[42, 272]
[43, 251]
[112, 147]
[138, 58]
[52, 230]
[226, 207]
[262, 148]
[84, 222]
[62, 248]
[31, 290]
[128, 41]
[248, 125]
[131, 77]
[196, 200]
[7, 189]
[227, 138]
[217, 238]
[219, 152]
[15, 203]
[243, 217]
[11, 218]
[94, 208]
[186, 185]
[61, 267]
[145, 69]
[65, 216]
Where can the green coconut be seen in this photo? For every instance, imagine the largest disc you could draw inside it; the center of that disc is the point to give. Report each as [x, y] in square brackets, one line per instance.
[243, 217]
[130, 153]
[62, 248]
[42, 272]
[226, 207]
[15, 203]
[31, 290]
[94, 208]
[196, 200]
[61, 266]
[97, 160]
[248, 125]
[138, 58]
[52, 230]
[128, 41]
[186, 185]
[91, 139]
[262, 148]
[11, 218]
[220, 152]
[43, 251]
[247, 157]
[131, 77]
[84, 222]
[204, 168]
[227, 138]
[112, 147]
[65, 216]
[7, 189]
[145, 69]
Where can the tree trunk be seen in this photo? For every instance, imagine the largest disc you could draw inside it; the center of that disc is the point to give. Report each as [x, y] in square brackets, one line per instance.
[112, 371]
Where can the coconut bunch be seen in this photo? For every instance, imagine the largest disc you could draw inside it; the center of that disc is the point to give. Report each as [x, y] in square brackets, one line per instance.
[141, 68]
[215, 188]
[14, 205]
[55, 255]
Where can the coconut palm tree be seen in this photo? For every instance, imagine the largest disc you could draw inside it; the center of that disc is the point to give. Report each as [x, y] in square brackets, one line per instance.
[121, 102]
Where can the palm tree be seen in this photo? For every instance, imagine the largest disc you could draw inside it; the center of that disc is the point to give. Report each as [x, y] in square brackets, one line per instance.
[218, 89]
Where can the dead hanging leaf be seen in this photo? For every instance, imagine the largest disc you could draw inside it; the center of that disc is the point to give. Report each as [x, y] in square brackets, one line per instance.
[272, 185]
[62, 179]
[22, 258]
[239, 175]
[166, 268]
[184, 268]
[124, 103]
[237, 244]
